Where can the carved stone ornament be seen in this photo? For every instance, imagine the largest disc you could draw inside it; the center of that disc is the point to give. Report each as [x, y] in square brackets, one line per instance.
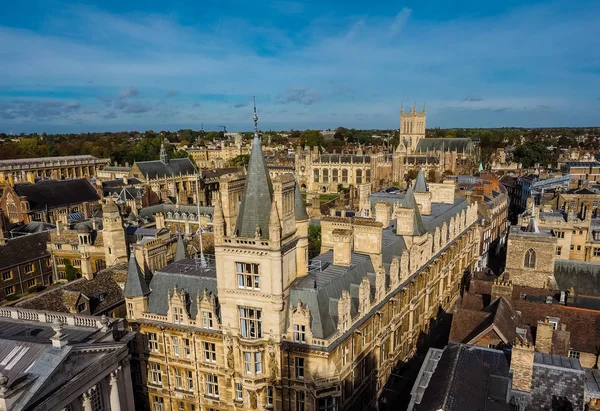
[253, 400]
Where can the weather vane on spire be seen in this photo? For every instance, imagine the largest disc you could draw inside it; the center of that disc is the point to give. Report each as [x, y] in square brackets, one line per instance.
[255, 118]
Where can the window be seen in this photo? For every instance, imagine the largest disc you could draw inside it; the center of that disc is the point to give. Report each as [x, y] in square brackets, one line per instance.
[558, 249]
[130, 310]
[81, 308]
[181, 406]
[210, 353]
[327, 404]
[529, 259]
[334, 175]
[212, 386]
[96, 399]
[9, 290]
[251, 322]
[176, 346]
[28, 268]
[580, 232]
[574, 354]
[153, 342]
[326, 175]
[358, 176]
[300, 398]
[187, 350]
[269, 396]
[596, 251]
[299, 333]
[248, 276]
[595, 204]
[574, 232]
[207, 319]
[190, 380]
[7, 275]
[316, 175]
[572, 203]
[239, 393]
[578, 248]
[178, 315]
[560, 234]
[299, 361]
[178, 379]
[344, 175]
[158, 403]
[253, 362]
[344, 355]
[31, 283]
[155, 374]
[572, 247]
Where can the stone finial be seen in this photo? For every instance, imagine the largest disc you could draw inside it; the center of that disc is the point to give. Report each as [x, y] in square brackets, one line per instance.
[59, 339]
[105, 322]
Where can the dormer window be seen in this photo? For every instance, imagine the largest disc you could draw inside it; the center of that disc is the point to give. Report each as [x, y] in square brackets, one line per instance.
[81, 308]
[299, 333]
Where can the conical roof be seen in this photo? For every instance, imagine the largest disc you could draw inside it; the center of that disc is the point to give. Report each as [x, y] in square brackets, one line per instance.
[409, 202]
[180, 253]
[257, 198]
[420, 183]
[299, 207]
[135, 286]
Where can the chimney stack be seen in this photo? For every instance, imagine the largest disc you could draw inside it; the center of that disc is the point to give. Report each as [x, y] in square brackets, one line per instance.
[382, 213]
[543, 338]
[502, 289]
[521, 365]
[342, 248]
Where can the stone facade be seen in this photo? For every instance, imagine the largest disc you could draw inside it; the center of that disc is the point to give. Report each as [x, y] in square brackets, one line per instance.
[50, 168]
[250, 332]
[530, 258]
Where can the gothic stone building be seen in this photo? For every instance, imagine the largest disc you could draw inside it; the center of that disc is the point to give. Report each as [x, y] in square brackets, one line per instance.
[261, 328]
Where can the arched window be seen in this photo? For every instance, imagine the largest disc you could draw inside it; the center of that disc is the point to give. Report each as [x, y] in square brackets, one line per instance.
[529, 259]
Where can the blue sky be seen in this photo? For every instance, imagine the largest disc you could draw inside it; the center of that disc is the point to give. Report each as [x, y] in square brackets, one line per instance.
[114, 65]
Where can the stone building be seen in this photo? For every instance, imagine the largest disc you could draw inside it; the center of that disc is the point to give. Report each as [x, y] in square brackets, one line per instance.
[174, 179]
[89, 246]
[286, 333]
[48, 201]
[50, 168]
[61, 361]
[25, 264]
[217, 156]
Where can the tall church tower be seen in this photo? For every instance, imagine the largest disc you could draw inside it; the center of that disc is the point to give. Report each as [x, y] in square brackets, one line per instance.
[256, 262]
[412, 127]
[113, 234]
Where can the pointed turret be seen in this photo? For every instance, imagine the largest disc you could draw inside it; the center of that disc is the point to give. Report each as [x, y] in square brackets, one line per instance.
[420, 183]
[180, 252]
[413, 225]
[532, 227]
[135, 286]
[257, 199]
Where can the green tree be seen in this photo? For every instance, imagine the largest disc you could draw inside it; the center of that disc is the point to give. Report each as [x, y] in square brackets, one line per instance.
[241, 161]
[312, 138]
[70, 272]
[314, 241]
[532, 152]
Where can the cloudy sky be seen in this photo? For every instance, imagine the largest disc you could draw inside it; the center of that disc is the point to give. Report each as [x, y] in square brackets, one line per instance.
[146, 64]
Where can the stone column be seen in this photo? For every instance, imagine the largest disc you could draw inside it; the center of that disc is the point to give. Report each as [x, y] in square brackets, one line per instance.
[115, 401]
[86, 400]
[128, 389]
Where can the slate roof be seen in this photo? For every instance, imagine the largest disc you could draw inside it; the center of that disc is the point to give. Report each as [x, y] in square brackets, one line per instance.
[24, 248]
[135, 286]
[57, 193]
[445, 144]
[468, 378]
[103, 292]
[420, 185]
[157, 169]
[186, 274]
[584, 277]
[257, 198]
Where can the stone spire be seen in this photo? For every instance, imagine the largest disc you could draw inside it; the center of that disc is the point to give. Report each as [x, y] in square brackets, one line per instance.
[163, 153]
[410, 202]
[257, 198]
[135, 286]
[532, 227]
[180, 253]
[420, 183]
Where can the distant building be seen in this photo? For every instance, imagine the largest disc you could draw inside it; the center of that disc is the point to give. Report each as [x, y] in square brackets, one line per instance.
[60, 361]
[50, 168]
[217, 156]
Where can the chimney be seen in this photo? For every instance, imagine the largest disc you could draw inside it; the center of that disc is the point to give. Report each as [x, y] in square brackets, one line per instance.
[59, 339]
[382, 213]
[502, 289]
[342, 247]
[521, 365]
[59, 226]
[543, 338]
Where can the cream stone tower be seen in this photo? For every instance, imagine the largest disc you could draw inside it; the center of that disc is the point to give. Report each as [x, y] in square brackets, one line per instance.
[412, 127]
[113, 234]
